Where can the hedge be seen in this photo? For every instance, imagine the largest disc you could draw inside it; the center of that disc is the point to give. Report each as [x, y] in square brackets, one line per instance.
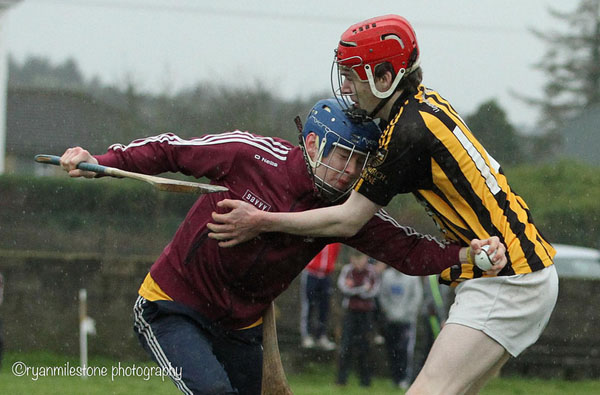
[131, 217]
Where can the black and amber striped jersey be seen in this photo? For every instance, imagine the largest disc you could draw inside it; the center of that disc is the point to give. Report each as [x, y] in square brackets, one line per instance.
[428, 150]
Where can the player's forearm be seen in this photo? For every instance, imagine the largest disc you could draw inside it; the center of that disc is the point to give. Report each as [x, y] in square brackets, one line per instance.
[242, 221]
[322, 222]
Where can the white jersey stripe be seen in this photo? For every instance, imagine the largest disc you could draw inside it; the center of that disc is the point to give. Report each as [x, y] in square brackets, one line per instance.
[172, 138]
[383, 215]
[245, 141]
[275, 145]
[266, 144]
[479, 161]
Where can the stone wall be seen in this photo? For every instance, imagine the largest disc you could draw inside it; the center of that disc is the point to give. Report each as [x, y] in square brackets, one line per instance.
[40, 311]
[570, 346]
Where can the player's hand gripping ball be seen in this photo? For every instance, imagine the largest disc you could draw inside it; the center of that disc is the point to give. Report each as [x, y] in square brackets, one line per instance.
[483, 260]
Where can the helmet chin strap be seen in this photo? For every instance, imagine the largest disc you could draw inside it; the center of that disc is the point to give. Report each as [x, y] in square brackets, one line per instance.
[377, 92]
[385, 96]
[361, 115]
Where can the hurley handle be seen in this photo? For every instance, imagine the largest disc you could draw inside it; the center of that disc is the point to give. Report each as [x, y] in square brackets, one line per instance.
[55, 160]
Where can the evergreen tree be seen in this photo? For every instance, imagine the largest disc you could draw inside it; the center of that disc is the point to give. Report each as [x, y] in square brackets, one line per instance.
[572, 66]
[490, 125]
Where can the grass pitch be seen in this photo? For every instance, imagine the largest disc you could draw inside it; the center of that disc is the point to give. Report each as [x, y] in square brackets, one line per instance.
[51, 374]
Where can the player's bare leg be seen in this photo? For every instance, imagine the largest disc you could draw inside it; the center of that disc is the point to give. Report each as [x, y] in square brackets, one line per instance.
[490, 374]
[461, 357]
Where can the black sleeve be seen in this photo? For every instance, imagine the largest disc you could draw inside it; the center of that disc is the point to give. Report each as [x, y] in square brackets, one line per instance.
[403, 165]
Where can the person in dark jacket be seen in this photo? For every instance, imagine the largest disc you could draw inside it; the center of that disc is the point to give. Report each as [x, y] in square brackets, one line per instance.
[359, 283]
[1, 334]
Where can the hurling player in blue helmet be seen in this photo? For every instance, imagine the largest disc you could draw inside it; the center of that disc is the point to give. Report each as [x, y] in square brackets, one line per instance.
[335, 148]
[200, 308]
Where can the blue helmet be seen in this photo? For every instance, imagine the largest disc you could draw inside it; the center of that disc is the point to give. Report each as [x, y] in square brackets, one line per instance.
[335, 130]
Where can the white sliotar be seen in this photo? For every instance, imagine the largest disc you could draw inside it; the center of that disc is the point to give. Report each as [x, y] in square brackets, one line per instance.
[483, 260]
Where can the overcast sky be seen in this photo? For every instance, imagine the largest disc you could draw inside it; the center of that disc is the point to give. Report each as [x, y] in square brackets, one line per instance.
[471, 51]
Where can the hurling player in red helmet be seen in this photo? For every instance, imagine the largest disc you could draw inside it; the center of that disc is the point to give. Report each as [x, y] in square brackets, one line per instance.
[426, 149]
[366, 52]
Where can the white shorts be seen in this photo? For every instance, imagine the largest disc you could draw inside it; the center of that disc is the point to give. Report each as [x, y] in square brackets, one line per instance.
[512, 310]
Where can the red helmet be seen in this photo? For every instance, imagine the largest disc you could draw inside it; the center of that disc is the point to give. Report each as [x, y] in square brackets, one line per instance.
[388, 38]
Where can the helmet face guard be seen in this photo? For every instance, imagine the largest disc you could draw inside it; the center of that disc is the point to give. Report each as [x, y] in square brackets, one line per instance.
[335, 132]
[365, 45]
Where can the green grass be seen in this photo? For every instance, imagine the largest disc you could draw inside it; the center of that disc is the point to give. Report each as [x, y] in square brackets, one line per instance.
[312, 385]
[317, 379]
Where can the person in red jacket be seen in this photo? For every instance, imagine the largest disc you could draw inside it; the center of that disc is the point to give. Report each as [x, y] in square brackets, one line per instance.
[315, 293]
[200, 307]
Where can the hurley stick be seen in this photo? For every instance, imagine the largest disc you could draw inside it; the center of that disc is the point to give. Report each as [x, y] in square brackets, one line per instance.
[274, 381]
[160, 183]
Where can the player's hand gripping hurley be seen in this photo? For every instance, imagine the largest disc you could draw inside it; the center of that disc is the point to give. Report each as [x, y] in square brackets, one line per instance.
[160, 183]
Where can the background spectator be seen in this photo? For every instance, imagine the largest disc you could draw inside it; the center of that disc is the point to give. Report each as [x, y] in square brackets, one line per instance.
[359, 284]
[1, 334]
[400, 298]
[315, 294]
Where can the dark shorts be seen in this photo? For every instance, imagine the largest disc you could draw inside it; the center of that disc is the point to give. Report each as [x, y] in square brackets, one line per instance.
[200, 356]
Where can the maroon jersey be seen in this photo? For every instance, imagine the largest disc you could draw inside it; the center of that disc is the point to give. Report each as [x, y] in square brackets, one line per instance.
[234, 286]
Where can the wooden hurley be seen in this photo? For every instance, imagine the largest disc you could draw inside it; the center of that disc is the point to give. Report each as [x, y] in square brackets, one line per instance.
[274, 381]
[160, 183]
